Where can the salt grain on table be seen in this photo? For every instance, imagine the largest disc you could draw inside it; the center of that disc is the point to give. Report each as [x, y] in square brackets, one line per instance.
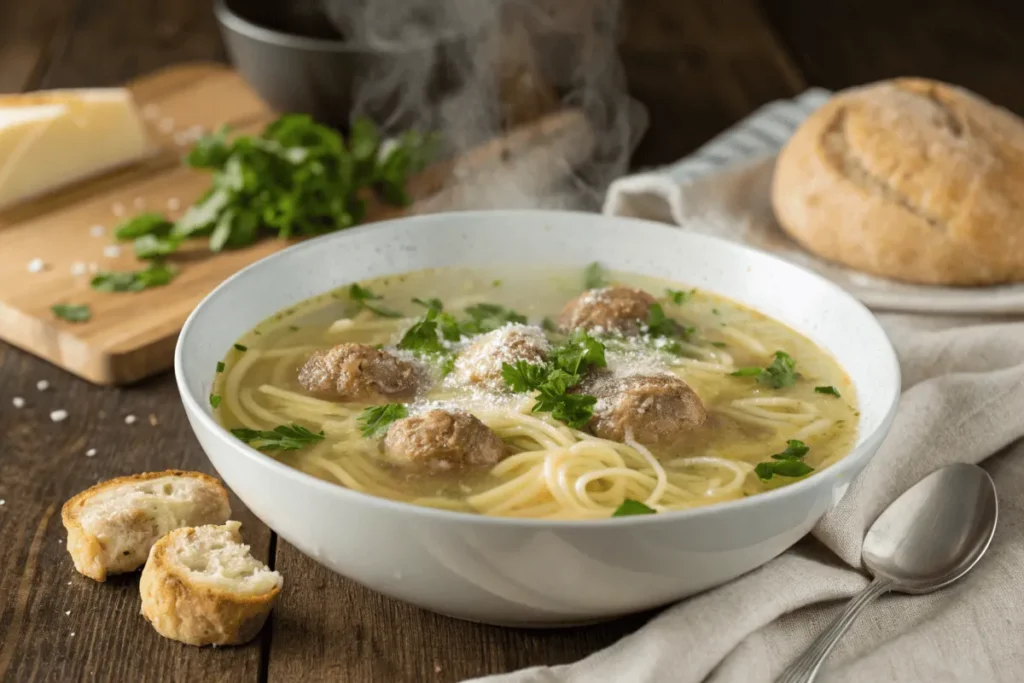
[78, 268]
[129, 419]
[36, 265]
[152, 420]
[18, 402]
[111, 251]
[90, 453]
[42, 385]
[2, 502]
[97, 230]
[59, 415]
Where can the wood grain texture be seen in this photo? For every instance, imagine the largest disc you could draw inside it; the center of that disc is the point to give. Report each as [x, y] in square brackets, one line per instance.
[973, 44]
[42, 464]
[700, 66]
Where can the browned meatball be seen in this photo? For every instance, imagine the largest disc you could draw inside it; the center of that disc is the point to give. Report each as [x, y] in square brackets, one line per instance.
[612, 309]
[480, 363]
[441, 441]
[361, 373]
[653, 409]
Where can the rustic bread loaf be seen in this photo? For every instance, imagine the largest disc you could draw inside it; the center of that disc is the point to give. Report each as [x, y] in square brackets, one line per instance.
[909, 179]
[202, 587]
[112, 525]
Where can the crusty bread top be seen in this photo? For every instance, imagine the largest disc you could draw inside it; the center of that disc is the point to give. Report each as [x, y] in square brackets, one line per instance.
[215, 558]
[172, 493]
[910, 179]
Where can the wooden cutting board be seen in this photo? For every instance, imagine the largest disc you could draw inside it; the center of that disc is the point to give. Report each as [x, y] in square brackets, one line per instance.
[132, 335]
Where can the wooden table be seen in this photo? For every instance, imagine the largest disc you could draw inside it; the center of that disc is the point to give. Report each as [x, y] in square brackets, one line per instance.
[699, 65]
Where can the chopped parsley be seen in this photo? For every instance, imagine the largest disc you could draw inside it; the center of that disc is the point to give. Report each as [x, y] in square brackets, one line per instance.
[241, 347]
[594, 276]
[220, 366]
[487, 317]
[149, 223]
[73, 313]
[780, 374]
[363, 298]
[151, 246]
[719, 344]
[660, 325]
[522, 376]
[284, 438]
[552, 380]
[429, 303]
[788, 463]
[630, 507]
[215, 400]
[375, 420]
[830, 390]
[156, 274]
[679, 297]
[422, 336]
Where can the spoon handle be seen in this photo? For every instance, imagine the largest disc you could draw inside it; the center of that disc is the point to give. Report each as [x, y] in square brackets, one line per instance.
[805, 668]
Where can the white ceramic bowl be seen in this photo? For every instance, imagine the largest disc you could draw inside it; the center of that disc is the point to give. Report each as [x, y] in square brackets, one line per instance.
[532, 572]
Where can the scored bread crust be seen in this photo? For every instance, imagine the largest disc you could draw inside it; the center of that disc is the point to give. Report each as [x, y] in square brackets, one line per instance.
[180, 609]
[89, 552]
[910, 179]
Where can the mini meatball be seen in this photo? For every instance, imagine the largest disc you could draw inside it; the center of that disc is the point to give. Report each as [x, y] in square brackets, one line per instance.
[612, 309]
[360, 373]
[480, 363]
[653, 409]
[441, 441]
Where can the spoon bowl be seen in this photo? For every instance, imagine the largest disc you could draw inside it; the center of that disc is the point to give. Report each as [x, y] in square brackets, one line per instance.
[935, 532]
[926, 539]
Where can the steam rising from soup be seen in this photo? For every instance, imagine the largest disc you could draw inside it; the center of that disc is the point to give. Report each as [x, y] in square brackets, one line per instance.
[537, 392]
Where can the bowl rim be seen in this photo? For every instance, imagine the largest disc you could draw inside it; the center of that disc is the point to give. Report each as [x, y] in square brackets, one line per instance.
[231, 20]
[856, 459]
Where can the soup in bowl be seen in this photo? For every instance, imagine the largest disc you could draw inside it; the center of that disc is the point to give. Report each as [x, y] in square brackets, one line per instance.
[535, 417]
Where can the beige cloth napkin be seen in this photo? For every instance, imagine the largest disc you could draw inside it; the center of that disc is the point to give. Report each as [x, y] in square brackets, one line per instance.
[963, 401]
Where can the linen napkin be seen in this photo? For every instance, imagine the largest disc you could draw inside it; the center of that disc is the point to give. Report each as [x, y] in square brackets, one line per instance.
[962, 401]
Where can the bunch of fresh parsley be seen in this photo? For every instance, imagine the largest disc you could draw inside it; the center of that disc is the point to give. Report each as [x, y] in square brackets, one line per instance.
[552, 381]
[297, 178]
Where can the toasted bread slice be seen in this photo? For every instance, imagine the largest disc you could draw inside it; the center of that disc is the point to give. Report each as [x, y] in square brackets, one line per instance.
[202, 587]
[112, 525]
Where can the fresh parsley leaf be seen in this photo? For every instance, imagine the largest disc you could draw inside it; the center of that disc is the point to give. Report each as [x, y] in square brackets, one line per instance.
[786, 468]
[660, 325]
[429, 303]
[574, 410]
[241, 347]
[579, 353]
[794, 449]
[220, 366]
[215, 400]
[788, 463]
[487, 317]
[830, 390]
[284, 438]
[780, 374]
[375, 420]
[73, 313]
[679, 297]
[594, 276]
[630, 507]
[719, 344]
[363, 296]
[156, 274]
[143, 224]
[447, 365]
[152, 246]
[422, 337]
[523, 376]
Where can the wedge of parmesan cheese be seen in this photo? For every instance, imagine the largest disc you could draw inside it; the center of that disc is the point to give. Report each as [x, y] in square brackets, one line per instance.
[50, 139]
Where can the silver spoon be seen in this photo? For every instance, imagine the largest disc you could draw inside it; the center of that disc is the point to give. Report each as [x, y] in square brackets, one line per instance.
[926, 539]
